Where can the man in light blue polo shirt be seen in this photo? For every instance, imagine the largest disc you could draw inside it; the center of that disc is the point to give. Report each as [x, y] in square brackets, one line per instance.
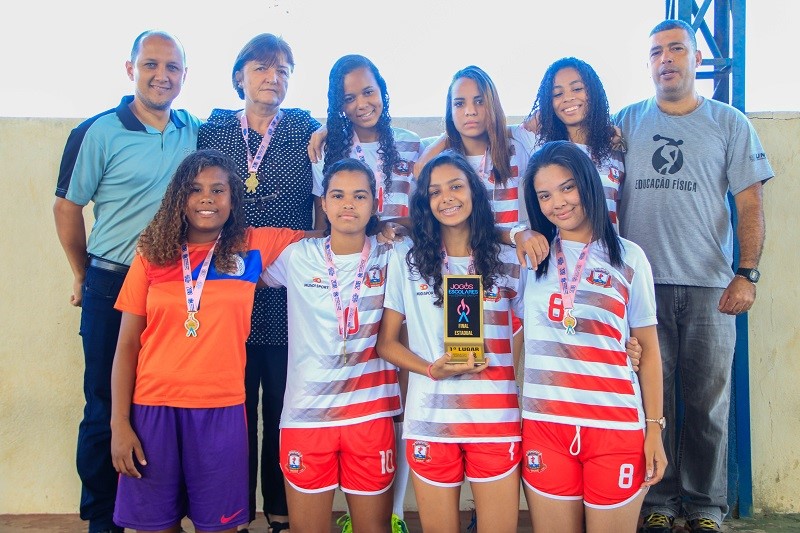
[121, 160]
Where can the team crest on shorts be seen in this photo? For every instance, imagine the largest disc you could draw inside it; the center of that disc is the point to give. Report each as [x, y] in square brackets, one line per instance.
[533, 461]
[295, 464]
[600, 277]
[422, 451]
[374, 277]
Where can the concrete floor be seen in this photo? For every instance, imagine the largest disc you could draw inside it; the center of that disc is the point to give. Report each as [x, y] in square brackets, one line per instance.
[68, 523]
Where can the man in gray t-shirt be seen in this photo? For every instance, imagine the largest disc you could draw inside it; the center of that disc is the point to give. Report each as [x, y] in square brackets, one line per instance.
[685, 153]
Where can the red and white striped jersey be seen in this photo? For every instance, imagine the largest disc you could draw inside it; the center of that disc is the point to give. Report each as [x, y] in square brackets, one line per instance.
[586, 379]
[396, 197]
[507, 201]
[611, 170]
[469, 408]
[324, 388]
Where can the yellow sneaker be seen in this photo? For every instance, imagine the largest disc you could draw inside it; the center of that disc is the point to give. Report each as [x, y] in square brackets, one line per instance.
[345, 523]
[398, 525]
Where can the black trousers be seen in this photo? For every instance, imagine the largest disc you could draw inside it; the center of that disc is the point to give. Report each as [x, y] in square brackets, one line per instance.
[265, 372]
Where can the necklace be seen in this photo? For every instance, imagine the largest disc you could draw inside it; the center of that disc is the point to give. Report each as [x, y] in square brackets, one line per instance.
[699, 100]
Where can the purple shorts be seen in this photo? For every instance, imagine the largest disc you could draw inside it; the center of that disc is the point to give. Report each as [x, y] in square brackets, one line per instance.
[196, 467]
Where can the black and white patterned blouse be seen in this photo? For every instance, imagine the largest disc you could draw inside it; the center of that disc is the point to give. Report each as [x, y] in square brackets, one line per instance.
[282, 199]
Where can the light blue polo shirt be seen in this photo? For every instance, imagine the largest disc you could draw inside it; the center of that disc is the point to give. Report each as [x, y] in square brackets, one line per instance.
[124, 166]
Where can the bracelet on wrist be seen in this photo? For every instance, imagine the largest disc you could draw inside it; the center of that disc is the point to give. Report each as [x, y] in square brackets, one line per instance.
[662, 422]
[513, 233]
[430, 374]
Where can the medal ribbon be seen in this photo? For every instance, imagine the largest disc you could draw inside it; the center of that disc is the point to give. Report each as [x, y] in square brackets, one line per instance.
[485, 170]
[446, 263]
[194, 292]
[358, 283]
[253, 162]
[568, 290]
[485, 173]
[358, 150]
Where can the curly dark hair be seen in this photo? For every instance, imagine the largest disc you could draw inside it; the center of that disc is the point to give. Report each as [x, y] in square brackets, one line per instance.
[425, 256]
[340, 130]
[597, 124]
[352, 165]
[499, 147]
[590, 189]
[160, 242]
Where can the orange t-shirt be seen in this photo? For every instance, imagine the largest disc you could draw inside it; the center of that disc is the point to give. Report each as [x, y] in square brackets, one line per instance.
[208, 370]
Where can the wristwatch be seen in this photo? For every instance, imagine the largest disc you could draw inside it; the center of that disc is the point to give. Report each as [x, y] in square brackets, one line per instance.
[660, 421]
[513, 233]
[751, 274]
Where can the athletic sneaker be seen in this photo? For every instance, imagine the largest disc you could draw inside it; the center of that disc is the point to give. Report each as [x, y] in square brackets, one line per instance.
[472, 527]
[345, 523]
[703, 524]
[657, 523]
[398, 525]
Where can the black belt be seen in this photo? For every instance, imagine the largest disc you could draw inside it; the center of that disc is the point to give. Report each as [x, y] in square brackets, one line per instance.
[104, 264]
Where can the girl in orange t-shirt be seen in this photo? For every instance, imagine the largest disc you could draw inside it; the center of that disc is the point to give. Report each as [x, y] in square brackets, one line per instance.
[179, 434]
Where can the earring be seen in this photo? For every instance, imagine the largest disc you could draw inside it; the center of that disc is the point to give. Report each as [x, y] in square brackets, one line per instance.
[343, 115]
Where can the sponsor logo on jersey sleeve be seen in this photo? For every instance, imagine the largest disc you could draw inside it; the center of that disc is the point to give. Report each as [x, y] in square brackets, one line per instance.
[424, 290]
[316, 282]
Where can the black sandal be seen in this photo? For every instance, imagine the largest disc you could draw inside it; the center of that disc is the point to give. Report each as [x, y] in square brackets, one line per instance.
[276, 527]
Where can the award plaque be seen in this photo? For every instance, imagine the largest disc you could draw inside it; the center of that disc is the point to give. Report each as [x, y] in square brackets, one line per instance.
[463, 317]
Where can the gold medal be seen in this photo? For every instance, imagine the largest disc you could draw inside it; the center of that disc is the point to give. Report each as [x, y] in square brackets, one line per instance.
[251, 182]
[191, 325]
[569, 322]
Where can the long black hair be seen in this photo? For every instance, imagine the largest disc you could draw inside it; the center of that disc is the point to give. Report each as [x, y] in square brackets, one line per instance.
[425, 256]
[340, 130]
[597, 124]
[590, 189]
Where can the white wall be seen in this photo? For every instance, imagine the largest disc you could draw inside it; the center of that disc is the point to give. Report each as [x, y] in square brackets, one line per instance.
[42, 361]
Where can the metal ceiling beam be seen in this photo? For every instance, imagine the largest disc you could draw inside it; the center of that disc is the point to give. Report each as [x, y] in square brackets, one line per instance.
[726, 43]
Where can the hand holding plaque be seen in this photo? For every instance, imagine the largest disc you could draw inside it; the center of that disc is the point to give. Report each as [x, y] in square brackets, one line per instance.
[444, 367]
[463, 317]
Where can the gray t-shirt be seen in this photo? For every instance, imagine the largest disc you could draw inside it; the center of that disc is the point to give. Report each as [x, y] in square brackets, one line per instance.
[674, 199]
